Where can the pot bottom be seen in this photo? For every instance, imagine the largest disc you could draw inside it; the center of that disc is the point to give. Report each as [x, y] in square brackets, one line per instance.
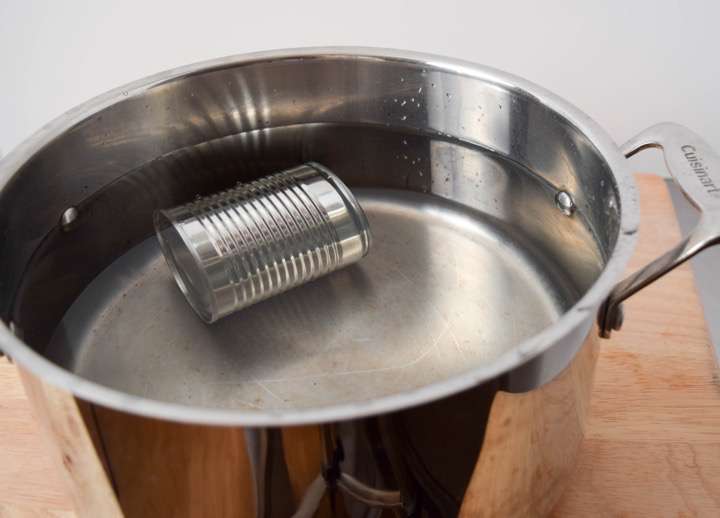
[444, 289]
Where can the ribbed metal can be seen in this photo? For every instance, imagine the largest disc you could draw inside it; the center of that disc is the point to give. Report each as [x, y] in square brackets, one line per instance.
[230, 250]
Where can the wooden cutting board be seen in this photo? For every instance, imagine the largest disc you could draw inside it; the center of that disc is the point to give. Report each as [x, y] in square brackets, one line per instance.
[652, 444]
[653, 437]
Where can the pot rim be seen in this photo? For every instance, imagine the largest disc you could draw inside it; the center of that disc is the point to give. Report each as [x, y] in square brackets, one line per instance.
[573, 319]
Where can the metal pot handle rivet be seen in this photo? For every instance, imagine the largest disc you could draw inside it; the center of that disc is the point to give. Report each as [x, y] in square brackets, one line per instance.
[696, 169]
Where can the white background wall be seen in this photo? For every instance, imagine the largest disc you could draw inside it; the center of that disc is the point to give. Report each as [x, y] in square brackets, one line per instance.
[628, 64]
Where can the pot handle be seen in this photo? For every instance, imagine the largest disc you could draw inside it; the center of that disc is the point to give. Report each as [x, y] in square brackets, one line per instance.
[696, 169]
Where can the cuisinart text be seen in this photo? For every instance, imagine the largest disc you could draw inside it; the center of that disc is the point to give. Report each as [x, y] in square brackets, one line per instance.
[699, 169]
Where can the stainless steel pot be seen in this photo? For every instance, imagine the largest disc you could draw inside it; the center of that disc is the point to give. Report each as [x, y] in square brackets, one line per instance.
[503, 219]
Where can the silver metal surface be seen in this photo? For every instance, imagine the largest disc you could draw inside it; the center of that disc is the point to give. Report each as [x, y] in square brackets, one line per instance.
[238, 247]
[445, 290]
[484, 277]
[704, 266]
[311, 499]
[565, 203]
[68, 217]
[696, 169]
[371, 497]
[257, 445]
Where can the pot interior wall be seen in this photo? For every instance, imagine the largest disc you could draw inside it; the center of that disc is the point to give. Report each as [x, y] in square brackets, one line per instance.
[481, 162]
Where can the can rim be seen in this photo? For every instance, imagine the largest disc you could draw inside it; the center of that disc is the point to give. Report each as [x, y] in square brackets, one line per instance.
[357, 212]
[207, 314]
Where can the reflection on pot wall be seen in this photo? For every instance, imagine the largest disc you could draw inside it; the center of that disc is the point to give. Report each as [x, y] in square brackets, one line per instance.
[485, 452]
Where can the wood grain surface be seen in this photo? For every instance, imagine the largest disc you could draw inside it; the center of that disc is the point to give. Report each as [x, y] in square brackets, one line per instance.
[652, 444]
[72, 450]
[30, 484]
